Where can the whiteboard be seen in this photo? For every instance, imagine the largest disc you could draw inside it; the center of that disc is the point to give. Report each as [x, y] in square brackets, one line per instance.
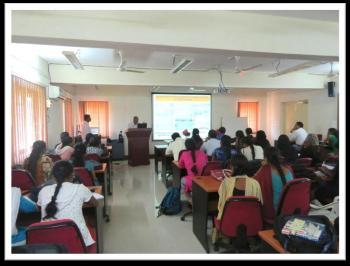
[232, 124]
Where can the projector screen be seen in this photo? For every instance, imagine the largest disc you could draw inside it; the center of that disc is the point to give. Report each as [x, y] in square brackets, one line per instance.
[177, 112]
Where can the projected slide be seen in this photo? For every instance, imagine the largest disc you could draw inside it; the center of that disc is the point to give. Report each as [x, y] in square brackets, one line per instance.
[176, 112]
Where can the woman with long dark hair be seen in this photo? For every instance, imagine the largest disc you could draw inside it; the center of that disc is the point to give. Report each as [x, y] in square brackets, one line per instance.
[251, 151]
[225, 151]
[261, 139]
[38, 164]
[286, 149]
[333, 140]
[272, 177]
[193, 160]
[67, 149]
[64, 200]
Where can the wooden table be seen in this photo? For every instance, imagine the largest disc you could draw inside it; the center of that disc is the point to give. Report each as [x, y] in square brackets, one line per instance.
[108, 160]
[204, 201]
[93, 216]
[268, 237]
[178, 172]
[160, 156]
[105, 185]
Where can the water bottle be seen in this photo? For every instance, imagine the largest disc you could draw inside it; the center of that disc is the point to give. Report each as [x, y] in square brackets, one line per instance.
[121, 139]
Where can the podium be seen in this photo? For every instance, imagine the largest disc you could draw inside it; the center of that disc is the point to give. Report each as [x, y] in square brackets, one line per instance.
[138, 144]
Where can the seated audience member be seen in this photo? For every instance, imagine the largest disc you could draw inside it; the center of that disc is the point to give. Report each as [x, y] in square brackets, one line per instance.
[79, 161]
[78, 139]
[328, 188]
[225, 151]
[272, 177]
[261, 140]
[237, 185]
[286, 150]
[186, 133]
[251, 151]
[193, 161]
[177, 145]
[64, 200]
[87, 139]
[67, 149]
[220, 133]
[238, 139]
[198, 141]
[38, 164]
[20, 204]
[298, 135]
[59, 145]
[311, 149]
[95, 146]
[249, 133]
[211, 143]
[332, 140]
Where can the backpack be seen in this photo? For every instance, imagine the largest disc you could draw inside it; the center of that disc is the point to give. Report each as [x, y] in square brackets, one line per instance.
[326, 243]
[171, 203]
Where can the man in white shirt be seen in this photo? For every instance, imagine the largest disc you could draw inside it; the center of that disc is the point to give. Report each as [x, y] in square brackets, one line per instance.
[176, 146]
[298, 135]
[134, 123]
[211, 143]
[86, 127]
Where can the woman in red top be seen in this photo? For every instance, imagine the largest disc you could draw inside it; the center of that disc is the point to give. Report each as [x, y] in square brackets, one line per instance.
[193, 160]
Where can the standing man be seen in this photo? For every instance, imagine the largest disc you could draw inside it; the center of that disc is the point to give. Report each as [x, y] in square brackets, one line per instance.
[298, 135]
[134, 123]
[86, 126]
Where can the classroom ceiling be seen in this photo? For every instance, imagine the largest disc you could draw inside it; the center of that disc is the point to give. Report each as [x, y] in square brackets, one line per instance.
[148, 57]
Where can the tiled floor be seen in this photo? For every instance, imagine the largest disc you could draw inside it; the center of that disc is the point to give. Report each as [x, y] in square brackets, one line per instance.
[134, 226]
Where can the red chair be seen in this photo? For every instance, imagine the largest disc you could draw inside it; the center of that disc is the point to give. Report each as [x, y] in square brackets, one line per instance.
[241, 218]
[63, 231]
[93, 156]
[304, 161]
[211, 165]
[22, 179]
[295, 197]
[54, 157]
[84, 176]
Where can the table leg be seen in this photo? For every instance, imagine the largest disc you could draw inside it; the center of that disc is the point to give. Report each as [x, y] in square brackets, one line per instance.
[105, 207]
[200, 214]
[99, 227]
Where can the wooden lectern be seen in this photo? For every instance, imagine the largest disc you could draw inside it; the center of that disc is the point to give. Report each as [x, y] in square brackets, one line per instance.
[138, 144]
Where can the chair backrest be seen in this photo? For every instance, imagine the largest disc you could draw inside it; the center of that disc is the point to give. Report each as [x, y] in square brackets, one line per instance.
[63, 231]
[54, 157]
[93, 156]
[304, 161]
[295, 197]
[212, 165]
[22, 179]
[241, 210]
[84, 176]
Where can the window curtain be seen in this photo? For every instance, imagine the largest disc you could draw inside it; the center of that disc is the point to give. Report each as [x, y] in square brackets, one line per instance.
[99, 113]
[249, 110]
[68, 117]
[28, 117]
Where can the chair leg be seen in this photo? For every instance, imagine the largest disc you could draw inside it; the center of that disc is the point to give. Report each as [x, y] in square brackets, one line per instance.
[185, 214]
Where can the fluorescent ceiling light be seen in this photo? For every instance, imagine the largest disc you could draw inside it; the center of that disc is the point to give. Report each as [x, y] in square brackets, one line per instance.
[296, 68]
[181, 66]
[73, 59]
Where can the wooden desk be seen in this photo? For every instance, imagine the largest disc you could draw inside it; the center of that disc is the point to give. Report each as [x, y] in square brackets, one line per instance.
[204, 201]
[108, 161]
[268, 237]
[93, 217]
[103, 171]
[160, 156]
[178, 172]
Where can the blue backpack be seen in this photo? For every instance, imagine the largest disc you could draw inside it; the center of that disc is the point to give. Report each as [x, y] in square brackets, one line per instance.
[171, 203]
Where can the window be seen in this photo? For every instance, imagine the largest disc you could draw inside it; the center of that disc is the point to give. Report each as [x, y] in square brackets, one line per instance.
[28, 117]
[249, 110]
[68, 116]
[99, 113]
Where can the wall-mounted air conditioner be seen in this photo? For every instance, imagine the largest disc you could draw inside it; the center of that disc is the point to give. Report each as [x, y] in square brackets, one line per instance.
[56, 92]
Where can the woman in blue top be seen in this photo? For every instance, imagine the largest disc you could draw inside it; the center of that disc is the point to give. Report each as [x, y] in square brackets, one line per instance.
[225, 152]
[79, 161]
[280, 174]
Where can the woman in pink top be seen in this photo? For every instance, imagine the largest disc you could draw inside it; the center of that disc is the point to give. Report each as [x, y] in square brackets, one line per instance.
[193, 161]
[66, 151]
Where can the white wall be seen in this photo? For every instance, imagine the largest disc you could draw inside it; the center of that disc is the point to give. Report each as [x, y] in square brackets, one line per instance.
[55, 124]
[125, 102]
[322, 112]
